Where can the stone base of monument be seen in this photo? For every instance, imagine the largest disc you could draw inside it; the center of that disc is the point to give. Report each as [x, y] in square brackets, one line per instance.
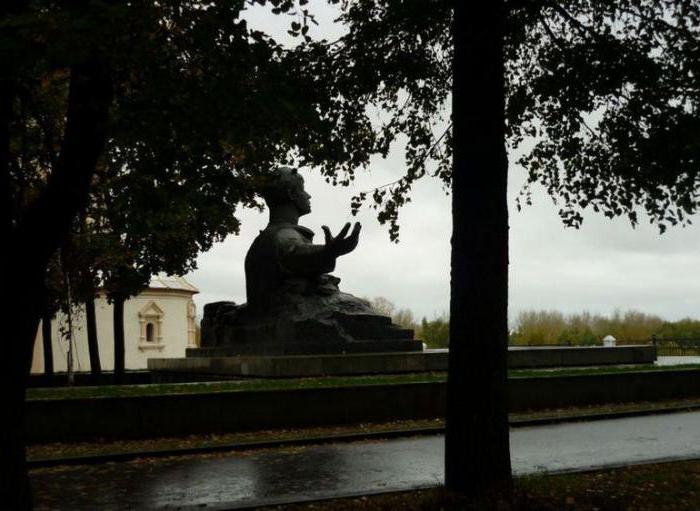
[305, 365]
[213, 362]
[307, 348]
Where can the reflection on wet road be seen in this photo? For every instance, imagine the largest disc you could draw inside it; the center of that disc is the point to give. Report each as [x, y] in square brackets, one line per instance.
[230, 480]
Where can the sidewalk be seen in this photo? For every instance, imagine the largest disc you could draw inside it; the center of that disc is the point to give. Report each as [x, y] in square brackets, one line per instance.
[230, 481]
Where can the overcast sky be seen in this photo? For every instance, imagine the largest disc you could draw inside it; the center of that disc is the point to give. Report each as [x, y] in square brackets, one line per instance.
[604, 266]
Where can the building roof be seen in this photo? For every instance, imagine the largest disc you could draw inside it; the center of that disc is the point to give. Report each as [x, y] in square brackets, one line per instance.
[171, 282]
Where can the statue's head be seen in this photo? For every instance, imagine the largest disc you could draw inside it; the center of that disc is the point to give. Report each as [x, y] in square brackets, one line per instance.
[286, 186]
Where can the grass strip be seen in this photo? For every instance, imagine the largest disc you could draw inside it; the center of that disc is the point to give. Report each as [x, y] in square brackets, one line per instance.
[305, 383]
[227, 386]
[592, 371]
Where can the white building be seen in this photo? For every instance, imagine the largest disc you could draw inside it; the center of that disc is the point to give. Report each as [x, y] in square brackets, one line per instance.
[159, 322]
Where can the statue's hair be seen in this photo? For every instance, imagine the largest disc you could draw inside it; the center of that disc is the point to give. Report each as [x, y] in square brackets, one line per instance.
[278, 185]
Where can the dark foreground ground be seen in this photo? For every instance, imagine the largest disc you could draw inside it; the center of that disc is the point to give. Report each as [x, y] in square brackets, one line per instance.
[668, 486]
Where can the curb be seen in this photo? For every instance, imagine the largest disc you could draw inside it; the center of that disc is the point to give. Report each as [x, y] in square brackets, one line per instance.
[338, 438]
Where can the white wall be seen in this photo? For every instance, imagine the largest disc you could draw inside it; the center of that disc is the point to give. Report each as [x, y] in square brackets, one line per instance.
[174, 329]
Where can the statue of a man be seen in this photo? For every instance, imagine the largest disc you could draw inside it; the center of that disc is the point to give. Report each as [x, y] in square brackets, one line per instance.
[294, 304]
[283, 259]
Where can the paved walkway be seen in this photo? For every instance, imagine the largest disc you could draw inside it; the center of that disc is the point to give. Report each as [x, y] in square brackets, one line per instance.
[675, 361]
[228, 481]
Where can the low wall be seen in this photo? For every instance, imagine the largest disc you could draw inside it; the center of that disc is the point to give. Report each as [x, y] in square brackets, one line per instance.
[524, 357]
[562, 391]
[197, 368]
[180, 414]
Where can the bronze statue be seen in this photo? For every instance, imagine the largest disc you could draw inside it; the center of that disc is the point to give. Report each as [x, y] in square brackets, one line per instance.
[294, 304]
[283, 259]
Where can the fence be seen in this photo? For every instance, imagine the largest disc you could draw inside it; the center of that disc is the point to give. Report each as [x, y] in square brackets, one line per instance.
[665, 346]
[677, 346]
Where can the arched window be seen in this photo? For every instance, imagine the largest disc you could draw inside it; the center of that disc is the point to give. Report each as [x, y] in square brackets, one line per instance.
[151, 325]
[150, 335]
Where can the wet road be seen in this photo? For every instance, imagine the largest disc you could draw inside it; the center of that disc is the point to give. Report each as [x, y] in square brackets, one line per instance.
[226, 481]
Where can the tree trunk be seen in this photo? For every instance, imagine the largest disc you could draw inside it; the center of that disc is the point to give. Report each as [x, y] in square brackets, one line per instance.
[25, 310]
[14, 483]
[47, 339]
[477, 454]
[43, 227]
[6, 205]
[93, 346]
[118, 340]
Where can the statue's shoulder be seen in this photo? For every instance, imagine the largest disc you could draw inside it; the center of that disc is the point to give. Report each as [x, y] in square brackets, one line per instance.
[289, 233]
[271, 240]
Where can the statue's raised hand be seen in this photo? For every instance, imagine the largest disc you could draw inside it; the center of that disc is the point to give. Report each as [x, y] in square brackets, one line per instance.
[343, 242]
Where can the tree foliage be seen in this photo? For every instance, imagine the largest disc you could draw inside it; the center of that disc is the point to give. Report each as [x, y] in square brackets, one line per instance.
[435, 333]
[536, 328]
[686, 328]
[602, 100]
[203, 104]
[401, 317]
[391, 73]
[610, 92]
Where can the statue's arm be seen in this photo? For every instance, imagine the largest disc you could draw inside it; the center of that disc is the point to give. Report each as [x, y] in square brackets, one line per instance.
[301, 257]
[307, 260]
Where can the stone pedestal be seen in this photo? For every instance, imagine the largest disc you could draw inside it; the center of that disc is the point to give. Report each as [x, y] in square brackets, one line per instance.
[302, 365]
[334, 324]
[309, 347]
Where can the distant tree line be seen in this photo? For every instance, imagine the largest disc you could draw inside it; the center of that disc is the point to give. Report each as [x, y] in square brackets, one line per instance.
[534, 328]
[435, 333]
[543, 327]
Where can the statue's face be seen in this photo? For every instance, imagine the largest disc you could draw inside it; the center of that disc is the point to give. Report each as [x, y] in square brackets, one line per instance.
[300, 198]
